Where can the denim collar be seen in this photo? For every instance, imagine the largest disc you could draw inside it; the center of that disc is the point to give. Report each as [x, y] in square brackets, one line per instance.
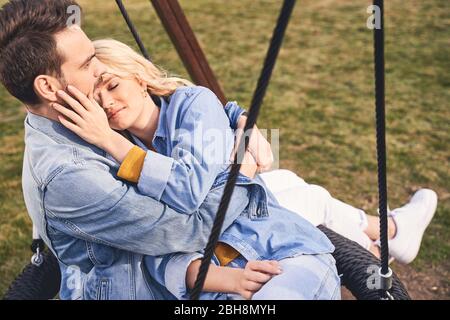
[164, 104]
[58, 132]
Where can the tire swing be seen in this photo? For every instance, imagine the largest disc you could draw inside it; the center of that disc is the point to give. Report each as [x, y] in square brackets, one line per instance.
[41, 278]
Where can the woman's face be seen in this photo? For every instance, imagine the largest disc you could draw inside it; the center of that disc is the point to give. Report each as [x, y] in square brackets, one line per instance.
[122, 99]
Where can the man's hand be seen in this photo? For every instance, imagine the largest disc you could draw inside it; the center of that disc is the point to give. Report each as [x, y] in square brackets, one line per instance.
[249, 167]
[258, 147]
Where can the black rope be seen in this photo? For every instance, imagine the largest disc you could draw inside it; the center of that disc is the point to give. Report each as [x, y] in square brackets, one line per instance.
[132, 29]
[258, 97]
[381, 137]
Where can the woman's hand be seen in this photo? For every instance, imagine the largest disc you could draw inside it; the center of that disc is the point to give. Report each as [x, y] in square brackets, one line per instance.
[245, 282]
[88, 120]
[254, 276]
[258, 146]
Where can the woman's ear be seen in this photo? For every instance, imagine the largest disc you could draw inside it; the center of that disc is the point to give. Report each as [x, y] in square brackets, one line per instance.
[46, 87]
[142, 84]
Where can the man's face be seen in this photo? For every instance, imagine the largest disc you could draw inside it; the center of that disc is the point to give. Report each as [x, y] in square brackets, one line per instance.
[80, 67]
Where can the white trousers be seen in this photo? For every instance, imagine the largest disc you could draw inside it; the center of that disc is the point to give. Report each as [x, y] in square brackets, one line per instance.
[315, 204]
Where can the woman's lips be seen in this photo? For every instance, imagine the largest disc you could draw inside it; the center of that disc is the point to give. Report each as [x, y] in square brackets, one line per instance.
[114, 113]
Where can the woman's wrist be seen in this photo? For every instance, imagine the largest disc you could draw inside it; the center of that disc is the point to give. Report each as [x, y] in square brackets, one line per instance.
[224, 279]
[236, 275]
[117, 146]
[218, 279]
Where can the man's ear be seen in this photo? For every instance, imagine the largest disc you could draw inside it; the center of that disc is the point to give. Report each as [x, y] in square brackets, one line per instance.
[46, 87]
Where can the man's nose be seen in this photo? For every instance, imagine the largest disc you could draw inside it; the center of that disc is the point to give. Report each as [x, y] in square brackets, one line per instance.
[100, 69]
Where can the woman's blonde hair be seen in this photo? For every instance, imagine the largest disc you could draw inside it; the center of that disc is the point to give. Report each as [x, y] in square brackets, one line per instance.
[124, 62]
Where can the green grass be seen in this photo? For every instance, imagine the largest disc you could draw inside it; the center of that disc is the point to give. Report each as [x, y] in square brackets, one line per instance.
[321, 98]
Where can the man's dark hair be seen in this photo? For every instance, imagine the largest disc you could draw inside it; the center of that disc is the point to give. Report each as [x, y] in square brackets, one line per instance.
[27, 43]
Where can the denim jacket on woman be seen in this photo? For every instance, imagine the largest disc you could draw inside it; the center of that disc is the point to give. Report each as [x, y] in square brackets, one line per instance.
[183, 174]
[101, 228]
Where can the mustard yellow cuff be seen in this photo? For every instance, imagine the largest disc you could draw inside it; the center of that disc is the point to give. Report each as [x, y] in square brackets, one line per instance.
[225, 253]
[131, 166]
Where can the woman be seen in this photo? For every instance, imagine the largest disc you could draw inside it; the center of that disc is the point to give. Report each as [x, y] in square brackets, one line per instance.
[134, 110]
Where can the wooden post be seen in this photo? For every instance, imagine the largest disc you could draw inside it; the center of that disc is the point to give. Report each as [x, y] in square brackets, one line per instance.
[180, 32]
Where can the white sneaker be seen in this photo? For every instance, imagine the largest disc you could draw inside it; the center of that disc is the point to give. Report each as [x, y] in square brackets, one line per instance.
[411, 220]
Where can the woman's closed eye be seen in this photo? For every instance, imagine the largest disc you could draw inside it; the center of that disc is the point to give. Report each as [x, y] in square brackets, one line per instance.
[113, 85]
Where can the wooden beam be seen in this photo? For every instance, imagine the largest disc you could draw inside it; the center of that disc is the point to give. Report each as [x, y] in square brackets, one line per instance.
[182, 36]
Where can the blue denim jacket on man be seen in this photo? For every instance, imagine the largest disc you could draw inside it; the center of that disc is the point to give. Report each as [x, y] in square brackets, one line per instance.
[99, 227]
[187, 180]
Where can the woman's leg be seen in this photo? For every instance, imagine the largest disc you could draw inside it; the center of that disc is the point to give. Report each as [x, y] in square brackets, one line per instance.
[315, 204]
[306, 277]
[373, 227]
[406, 225]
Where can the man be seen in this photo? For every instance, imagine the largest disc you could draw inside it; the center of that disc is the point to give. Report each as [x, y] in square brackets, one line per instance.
[99, 227]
